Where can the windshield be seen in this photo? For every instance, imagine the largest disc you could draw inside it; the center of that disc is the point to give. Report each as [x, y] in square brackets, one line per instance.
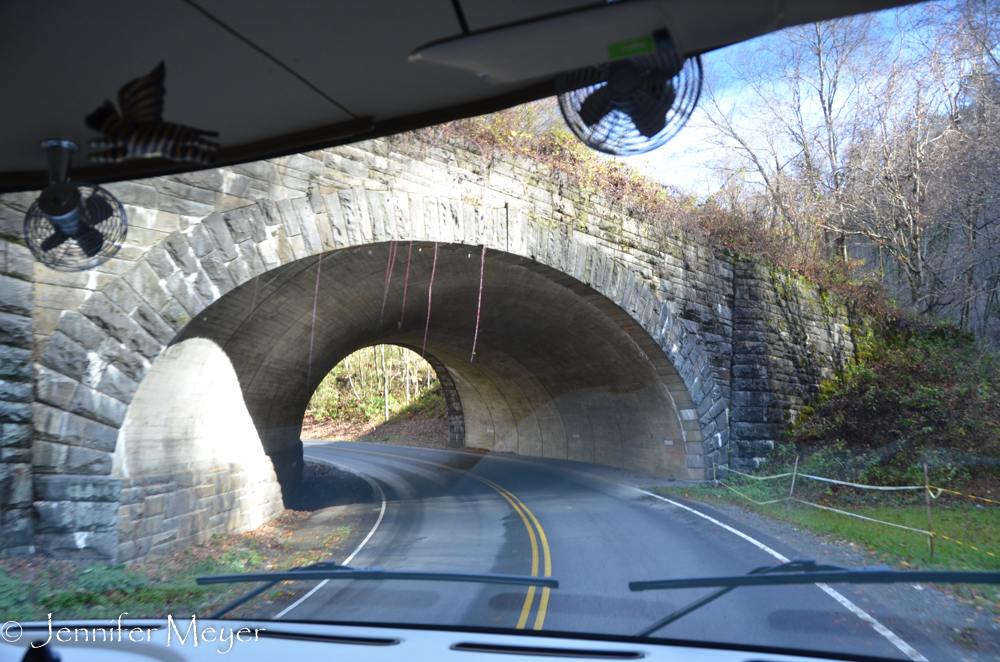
[479, 376]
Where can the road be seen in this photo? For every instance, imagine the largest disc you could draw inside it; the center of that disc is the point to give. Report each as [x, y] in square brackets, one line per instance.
[461, 511]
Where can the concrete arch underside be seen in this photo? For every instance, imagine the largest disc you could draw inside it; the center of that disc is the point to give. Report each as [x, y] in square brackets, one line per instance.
[560, 371]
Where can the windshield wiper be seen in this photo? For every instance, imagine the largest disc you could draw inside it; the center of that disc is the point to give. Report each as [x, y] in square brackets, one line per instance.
[330, 570]
[803, 572]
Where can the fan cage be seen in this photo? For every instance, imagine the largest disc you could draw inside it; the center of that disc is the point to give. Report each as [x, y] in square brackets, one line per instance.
[616, 133]
[68, 256]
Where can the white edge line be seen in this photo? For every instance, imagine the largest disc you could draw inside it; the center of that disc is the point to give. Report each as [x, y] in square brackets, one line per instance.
[356, 549]
[893, 638]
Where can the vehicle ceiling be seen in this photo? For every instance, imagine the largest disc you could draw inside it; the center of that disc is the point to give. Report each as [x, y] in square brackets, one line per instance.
[276, 78]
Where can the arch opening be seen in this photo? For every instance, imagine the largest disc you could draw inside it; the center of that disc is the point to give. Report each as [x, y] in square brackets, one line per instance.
[559, 370]
[384, 385]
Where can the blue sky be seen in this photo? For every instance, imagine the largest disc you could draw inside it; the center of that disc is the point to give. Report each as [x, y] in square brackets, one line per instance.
[685, 162]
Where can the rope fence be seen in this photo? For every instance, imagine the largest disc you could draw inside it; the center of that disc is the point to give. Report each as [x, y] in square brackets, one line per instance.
[932, 492]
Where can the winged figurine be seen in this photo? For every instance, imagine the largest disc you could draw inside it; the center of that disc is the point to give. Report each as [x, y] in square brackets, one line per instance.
[140, 132]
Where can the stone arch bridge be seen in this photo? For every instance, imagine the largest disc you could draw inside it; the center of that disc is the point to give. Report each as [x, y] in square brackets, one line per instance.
[159, 399]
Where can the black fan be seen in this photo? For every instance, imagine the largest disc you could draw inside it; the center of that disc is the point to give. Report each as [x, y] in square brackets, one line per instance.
[632, 105]
[73, 226]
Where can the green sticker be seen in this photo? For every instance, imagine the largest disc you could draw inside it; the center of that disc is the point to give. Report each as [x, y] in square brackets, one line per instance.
[631, 47]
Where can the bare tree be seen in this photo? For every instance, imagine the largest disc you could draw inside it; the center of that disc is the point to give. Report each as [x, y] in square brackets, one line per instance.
[924, 177]
[877, 137]
[800, 108]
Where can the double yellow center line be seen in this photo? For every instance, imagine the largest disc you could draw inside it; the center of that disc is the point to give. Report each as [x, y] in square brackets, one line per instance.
[530, 523]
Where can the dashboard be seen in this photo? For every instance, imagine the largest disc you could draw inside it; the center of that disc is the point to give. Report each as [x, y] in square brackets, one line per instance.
[269, 641]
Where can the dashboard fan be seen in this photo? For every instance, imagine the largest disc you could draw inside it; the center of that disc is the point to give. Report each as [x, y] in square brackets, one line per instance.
[632, 105]
[73, 226]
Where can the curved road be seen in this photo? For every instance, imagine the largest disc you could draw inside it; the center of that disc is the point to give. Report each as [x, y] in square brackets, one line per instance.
[460, 511]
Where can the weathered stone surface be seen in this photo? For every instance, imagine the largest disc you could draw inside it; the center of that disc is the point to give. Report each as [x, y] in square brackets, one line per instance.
[122, 293]
[15, 485]
[15, 391]
[217, 273]
[75, 516]
[77, 327]
[200, 240]
[118, 355]
[16, 260]
[180, 250]
[78, 488]
[133, 193]
[153, 324]
[97, 406]
[15, 363]
[79, 546]
[15, 330]
[109, 317]
[147, 284]
[117, 384]
[65, 356]
[219, 230]
[49, 457]
[15, 296]
[54, 388]
[15, 435]
[145, 344]
[81, 460]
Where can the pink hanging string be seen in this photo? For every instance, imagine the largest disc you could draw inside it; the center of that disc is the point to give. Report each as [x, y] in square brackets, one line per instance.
[312, 335]
[393, 246]
[388, 278]
[479, 305]
[406, 282]
[430, 291]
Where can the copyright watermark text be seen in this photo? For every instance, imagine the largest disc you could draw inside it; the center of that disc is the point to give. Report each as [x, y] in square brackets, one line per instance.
[193, 634]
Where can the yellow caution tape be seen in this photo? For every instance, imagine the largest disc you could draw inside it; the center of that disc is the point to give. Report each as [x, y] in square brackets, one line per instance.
[971, 496]
[963, 544]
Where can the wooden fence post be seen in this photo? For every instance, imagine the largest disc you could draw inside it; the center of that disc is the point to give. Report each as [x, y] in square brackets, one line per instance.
[791, 490]
[795, 472]
[927, 496]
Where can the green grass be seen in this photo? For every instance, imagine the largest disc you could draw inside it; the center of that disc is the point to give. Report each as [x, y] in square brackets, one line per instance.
[925, 395]
[979, 527]
[31, 589]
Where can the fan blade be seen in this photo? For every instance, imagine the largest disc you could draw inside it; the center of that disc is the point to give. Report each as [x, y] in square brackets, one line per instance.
[653, 79]
[98, 210]
[580, 78]
[648, 113]
[90, 241]
[596, 106]
[54, 240]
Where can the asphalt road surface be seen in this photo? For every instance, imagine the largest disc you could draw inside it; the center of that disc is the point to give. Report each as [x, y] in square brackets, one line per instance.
[459, 511]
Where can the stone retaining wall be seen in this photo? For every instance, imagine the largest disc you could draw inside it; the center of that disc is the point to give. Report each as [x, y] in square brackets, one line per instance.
[160, 514]
[789, 336]
[16, 396]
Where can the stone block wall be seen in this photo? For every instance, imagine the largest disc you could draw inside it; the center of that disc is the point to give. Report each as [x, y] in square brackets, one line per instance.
[16, 396]
[161, 514]
[789, 336]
